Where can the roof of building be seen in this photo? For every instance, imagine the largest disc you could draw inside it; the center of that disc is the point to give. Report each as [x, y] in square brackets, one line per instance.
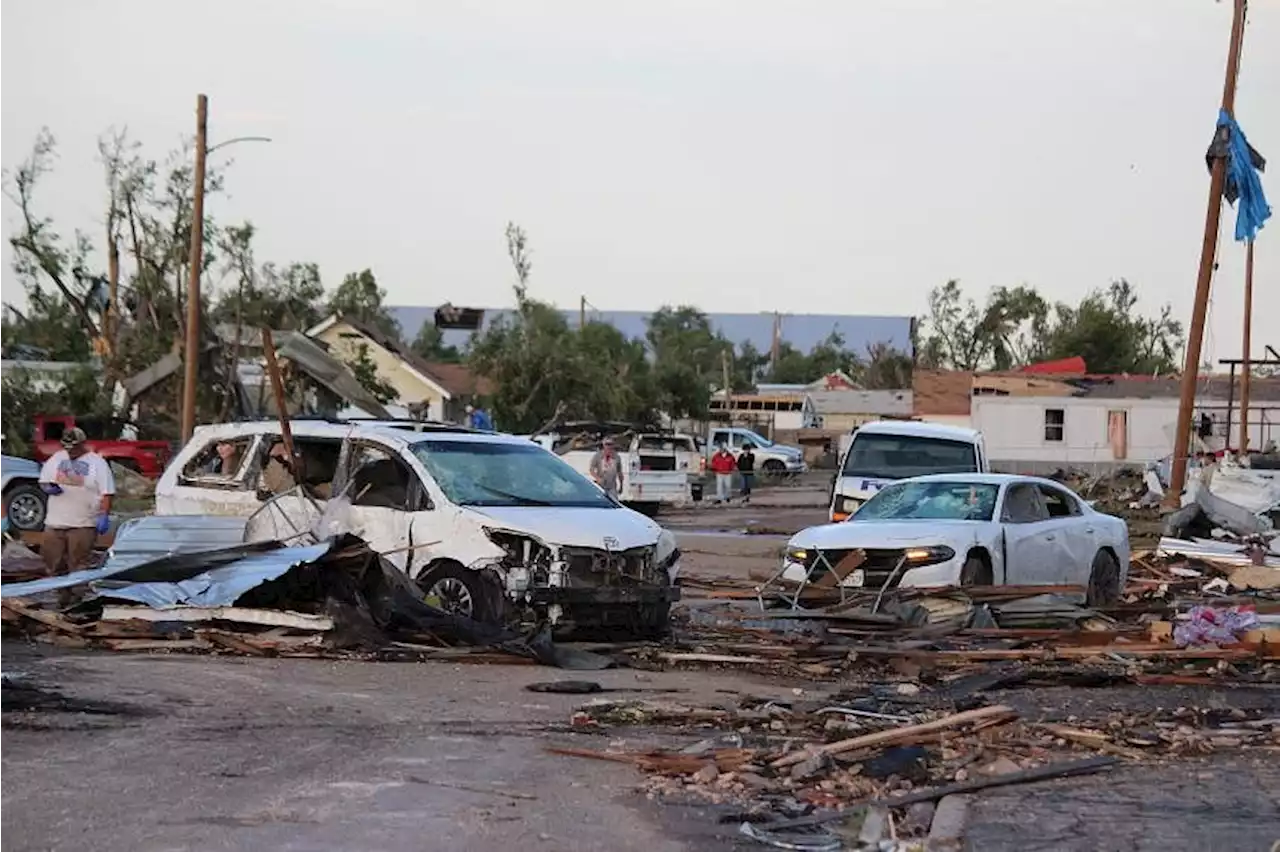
[895, 403]
[1170, 387]
[456, 379]
[922, 430]
[942, 392]
[1074, 366]
[803, 331]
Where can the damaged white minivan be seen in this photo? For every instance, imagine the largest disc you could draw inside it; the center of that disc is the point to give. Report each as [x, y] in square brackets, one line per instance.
[490, 526]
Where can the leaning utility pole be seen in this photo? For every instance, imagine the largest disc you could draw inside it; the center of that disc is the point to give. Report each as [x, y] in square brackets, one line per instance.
[1195, 336]
[1246, 366]
[192, 359]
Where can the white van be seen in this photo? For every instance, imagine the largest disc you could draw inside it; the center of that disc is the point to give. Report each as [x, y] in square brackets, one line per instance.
[888, 450]
[489, 525]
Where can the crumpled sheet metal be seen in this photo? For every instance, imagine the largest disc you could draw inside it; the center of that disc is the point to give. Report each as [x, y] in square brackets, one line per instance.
[146, 539]
[221, 586]
[1228, 553]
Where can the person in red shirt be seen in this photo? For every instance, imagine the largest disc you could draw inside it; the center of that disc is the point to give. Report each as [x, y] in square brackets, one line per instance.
[723, 465]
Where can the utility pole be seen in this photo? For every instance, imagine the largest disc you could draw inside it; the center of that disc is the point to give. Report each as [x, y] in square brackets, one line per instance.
[775, 345]
[1195, 337]
[1248, 333]
[582, 312]
[728, 385]
[192, 360]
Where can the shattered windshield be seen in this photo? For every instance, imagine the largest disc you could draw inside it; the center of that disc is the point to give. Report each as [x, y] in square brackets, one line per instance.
[905, 456]
[475, 473]
[931, 501]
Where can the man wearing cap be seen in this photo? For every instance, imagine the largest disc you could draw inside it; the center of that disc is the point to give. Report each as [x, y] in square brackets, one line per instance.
[80, 487]
[606, 468]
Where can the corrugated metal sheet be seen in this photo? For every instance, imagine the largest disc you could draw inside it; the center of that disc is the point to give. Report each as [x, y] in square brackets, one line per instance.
[1228, 553]
[153, 537]
[220, 586]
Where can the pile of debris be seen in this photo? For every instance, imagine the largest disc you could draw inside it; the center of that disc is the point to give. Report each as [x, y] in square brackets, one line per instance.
[335, 597]
[888, 751]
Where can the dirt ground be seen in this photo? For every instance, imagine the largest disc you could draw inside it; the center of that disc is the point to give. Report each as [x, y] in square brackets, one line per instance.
[150, 752]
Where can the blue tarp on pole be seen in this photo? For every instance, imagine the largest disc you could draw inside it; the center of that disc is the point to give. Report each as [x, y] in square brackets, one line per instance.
[1244, 185]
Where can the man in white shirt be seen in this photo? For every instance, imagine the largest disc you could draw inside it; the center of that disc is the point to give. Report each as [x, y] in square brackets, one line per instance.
[80, 487]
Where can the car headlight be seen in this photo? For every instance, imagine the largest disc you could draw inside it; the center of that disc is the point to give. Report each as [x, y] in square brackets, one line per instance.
[803, 555]
[849, 505]
[917, 556]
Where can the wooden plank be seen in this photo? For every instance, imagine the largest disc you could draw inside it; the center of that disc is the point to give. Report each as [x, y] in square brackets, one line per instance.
[155, 644]
[996, 714]
[712, 658]
[48, 619]
[242, 615]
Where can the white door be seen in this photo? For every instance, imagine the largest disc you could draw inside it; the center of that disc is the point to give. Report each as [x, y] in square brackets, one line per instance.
[383, 493]
[1074, 537]
[1030, 557]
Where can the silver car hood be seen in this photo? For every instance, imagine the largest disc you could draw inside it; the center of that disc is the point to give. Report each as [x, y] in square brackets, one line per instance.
[891, 534]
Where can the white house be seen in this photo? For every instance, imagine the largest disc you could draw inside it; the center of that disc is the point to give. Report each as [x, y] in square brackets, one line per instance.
[1110, 423]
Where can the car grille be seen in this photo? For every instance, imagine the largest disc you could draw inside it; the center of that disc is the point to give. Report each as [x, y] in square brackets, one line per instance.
[877, 568]
[590, 567]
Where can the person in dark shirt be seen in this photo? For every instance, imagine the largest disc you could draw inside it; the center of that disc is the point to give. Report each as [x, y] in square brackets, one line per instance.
[747, 470]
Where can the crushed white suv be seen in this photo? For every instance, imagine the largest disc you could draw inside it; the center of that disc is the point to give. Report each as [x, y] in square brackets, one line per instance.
[490, 526]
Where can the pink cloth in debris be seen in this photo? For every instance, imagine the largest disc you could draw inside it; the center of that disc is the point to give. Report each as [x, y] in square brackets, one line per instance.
[1209, 626]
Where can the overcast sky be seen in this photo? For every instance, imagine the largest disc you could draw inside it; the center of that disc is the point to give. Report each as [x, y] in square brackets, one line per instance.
[840, 157]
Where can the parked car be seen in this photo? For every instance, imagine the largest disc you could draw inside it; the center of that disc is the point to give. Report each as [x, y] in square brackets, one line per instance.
[114, 440]
[969, 529]
[889, 450]
[490, 526]
[24, 501]
[771, 458]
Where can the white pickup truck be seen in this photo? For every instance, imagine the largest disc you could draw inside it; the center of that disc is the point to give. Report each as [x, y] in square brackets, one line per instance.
[772, 459]
[888, 450]
[655, 472]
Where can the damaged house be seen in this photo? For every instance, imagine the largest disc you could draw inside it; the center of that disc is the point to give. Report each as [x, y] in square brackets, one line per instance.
[437, 390]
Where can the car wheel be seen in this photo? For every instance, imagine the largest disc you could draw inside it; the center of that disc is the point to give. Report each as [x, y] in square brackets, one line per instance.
[462, 592]
[976, 572]
[1104, 580]
[773, 467]
[24, 506]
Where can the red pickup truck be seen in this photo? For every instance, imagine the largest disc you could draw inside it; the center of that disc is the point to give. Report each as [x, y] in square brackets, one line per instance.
[146, 457]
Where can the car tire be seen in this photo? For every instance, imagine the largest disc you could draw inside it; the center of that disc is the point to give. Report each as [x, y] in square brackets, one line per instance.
[1104, 581]
[976, 572]
[773, 467]
[25, 505]
[462, 592]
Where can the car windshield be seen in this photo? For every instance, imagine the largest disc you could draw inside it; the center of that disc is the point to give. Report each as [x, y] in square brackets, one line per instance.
[759, 440]
[480, 473]
[931, 501]
[905, 456]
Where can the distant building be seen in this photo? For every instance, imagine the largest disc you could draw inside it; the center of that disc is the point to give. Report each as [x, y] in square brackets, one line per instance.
[802, 331]
[442, 390]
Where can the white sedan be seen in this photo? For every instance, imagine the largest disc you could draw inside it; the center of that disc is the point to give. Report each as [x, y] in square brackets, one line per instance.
[968, 530]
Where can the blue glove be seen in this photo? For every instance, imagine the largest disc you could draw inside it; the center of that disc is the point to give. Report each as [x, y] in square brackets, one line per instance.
[104, 524]
[50, 488]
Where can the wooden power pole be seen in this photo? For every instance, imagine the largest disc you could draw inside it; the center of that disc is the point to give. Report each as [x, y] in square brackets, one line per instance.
[582, 312]
[192, 359]
[1246, 366]
[1195, 335]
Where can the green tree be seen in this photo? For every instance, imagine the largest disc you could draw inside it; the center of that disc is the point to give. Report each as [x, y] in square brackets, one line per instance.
[360, 298]
[1016, 326]
[270, 296]
[1112, 337]
[543, 369]
[688, 359]
[21, 400]
[429, 344]
[366, 372]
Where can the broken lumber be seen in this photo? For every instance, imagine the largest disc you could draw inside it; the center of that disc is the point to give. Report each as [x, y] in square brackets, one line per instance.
[711, 658]
[48, 619]
[1039, 773]
[241, 615]
[1092, 739]
[997, 714]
